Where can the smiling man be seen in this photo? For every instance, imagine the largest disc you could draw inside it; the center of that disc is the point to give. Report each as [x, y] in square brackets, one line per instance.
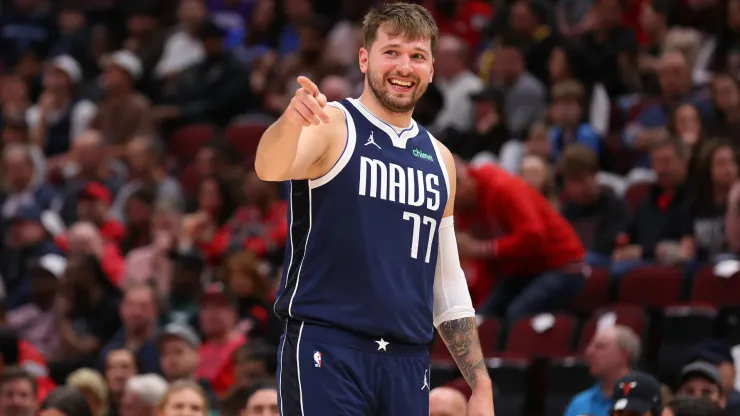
[372, 258]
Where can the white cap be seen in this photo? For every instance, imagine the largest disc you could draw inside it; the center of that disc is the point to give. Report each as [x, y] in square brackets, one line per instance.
[69, 66]
[54, 264]
[127, 61]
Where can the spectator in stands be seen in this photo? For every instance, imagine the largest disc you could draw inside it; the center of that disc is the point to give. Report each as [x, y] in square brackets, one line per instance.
[120, 366]
[125, 113]
[28, 27]
[567, 112]
[693, 406]
[717, 172]
[528, 228]
[93, 203]
[595, 212]
[66, 401]
[445, 401]
[676, 88]
[17, 392]
[537, 173]
[92, 385]
[183, 49]
[20, 184]
[142, 395]
[246, 279]
[527, 23]
[35, 321]
[524, 94]
[655, 231]
[217, 319]
[86, 310]
[611, 354]
[718, 353]
[146, 39]
[146, 170]
[483, 140]
[187, 271]
[335, 88]
[85, 238]
[701, 379]
[686, 125]
[262, 400]
[183, 395]
[255, 360]
[27, 241]
[726, 99]
[60, 114]
[456, 83]
[138, 312]
[214, 90]
[178, 354]
[74, 35]
[637, 394]
[655, 22]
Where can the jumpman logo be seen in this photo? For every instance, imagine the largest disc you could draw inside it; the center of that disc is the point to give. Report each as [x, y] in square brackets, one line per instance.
[371, 140]
[426, 380]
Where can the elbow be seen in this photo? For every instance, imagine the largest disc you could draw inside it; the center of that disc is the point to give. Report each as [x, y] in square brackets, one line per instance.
[266, 171]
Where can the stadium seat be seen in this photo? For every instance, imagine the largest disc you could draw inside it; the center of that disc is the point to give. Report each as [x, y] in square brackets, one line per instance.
[633, 317]
[651, 286]
[245, 136]
[636, 193]
[489, 332]
[544, 335]
[510, 385]
[595, 294]
[565, 379]
[187, 140]
[189, 179]
[722, 292]
[681, 328]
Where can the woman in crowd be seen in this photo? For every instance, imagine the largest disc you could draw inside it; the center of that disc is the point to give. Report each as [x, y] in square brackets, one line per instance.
[183, 398]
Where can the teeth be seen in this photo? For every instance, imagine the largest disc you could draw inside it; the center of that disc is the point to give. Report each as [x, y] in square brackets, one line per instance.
[401, 83]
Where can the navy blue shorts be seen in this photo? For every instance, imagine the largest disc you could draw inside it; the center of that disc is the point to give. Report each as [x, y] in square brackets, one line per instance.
[326, 371]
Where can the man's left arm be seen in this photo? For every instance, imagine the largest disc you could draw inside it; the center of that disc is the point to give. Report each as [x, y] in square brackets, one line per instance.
[454, 315]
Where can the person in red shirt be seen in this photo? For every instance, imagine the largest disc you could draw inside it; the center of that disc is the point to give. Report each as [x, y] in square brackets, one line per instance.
[217, 318]
[536, 254]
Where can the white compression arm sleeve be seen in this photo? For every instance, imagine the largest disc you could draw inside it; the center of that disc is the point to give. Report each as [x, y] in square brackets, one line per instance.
[451, 295]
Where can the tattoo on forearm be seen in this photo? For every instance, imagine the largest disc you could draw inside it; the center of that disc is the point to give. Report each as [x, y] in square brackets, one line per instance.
[461, 337]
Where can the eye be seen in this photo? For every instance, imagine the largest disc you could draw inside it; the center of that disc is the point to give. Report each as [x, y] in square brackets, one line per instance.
[420, 56]
[392, 53]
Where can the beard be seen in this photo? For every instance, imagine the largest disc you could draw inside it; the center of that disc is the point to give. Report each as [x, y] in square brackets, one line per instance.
[379, 86]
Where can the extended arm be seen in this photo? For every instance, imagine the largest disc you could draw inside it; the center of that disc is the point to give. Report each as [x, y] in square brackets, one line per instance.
[454, 315]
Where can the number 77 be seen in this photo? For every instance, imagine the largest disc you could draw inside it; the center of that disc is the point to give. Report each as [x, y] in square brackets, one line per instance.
[418, 220]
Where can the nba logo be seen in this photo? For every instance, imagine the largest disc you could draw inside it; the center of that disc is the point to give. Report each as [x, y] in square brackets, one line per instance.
[317, 359]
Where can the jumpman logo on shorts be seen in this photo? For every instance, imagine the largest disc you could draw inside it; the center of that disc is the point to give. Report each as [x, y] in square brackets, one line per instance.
[371, 140]
[426, 380]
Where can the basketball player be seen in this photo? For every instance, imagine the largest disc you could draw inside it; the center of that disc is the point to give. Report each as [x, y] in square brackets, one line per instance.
[372, 260]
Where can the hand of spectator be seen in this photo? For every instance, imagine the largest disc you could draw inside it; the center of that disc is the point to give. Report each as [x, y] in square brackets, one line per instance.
[471, 247]
[306, 108]
[165, 112]
[487, 122]
[47, 101]
[628, 253]
[649, 136]
[193, 224]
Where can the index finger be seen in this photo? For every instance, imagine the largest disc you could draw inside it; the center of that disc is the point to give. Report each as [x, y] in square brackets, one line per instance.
[308, 85]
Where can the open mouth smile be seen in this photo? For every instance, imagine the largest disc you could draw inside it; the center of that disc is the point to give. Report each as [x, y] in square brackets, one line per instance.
[401, 85]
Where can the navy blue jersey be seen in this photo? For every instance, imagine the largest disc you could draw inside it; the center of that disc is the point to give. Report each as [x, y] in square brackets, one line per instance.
[362, 247]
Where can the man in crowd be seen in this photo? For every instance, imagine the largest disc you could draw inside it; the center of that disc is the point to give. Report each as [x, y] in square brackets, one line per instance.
[637, 394]
[262, 400]
[611, 354]
[701, 379]
[178, 354]
[537, 253]
[17, 393]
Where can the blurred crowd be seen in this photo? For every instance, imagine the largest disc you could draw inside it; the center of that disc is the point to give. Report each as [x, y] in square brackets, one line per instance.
[141, 253]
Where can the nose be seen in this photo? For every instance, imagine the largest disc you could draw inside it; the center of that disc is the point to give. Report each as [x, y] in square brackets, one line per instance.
[404, 66]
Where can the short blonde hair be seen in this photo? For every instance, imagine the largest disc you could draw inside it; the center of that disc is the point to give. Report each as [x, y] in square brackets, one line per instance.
[179, 386]
[87, 379]
[411, 20]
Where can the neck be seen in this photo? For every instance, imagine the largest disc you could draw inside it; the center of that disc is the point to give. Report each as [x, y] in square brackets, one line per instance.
[221, 338]
[658, 35]
[607, 383]
[139, 335]
[371, 102]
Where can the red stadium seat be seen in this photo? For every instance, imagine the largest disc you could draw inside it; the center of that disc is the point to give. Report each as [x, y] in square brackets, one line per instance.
[595, 294]
[651, 286]
[489, 332]
[636, 193]
[526, 342]
[708, 288]
[189, 179]
[186, 141]
[633, 317]
[245, 136]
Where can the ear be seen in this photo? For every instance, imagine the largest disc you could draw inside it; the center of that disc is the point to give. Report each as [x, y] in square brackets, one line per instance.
[431, 73]
[364, 57]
